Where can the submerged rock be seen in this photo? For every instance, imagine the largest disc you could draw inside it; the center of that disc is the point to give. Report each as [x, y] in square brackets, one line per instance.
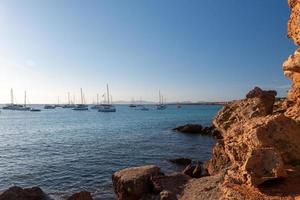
[18, 193]
[83, 195]
[133, 183]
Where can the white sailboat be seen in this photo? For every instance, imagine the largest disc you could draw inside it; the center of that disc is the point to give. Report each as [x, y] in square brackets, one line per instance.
[24, 107]
[97, 106]
[12, 105]
[82, 106]
[161, 105]
[108, 107]
[69, 105]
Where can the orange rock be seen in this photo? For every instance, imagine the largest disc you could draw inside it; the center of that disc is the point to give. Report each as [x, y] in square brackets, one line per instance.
[294, 22]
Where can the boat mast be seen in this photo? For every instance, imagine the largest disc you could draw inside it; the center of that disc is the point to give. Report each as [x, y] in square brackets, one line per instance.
[159, 97]
[97, 99]
[11, 96]
[81, 96]
[25, 99]
[107, 93]
[69, 98]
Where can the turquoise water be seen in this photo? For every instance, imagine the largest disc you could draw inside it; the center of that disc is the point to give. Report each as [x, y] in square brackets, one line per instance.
[64, 151]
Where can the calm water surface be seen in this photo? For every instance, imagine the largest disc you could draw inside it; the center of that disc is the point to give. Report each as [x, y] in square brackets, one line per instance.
[65, 151]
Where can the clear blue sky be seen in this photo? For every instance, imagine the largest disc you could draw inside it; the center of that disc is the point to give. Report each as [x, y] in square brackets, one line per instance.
[191, 50]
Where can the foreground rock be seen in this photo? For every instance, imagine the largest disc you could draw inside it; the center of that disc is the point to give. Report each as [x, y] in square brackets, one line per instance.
[17, 193]
[133, 183]
[83, 195]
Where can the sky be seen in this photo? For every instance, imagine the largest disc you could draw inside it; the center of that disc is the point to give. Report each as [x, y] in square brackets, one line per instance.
[196, 50]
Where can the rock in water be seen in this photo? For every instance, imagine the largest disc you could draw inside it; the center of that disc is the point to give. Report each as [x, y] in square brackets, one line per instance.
[189, 128]
[181, 161]
[133, 183]
[17, 193]
[83, 195]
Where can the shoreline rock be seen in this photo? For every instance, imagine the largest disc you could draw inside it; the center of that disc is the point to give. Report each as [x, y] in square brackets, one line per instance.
[133, 183]
[198, 129]
[18, 193]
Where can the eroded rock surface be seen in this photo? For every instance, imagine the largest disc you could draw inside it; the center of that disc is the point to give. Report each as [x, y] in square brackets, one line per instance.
[133, 183]
[258, 103]
[294, 22]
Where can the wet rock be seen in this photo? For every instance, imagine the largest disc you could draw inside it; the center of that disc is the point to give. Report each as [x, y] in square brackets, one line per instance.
[189, 170]
[83, 195]
[133, 183]
[197, 172]
[189, 128]
[18, 193]
[181, 161]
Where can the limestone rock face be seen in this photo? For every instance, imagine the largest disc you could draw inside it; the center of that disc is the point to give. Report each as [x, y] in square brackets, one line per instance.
[291, 68]
[17, 193]
[219, 160]
[132, 183]
[258, 103]
[294, 22]
[260, 148]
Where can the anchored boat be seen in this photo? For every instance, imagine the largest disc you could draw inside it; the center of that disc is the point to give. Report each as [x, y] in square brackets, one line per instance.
[108, 107]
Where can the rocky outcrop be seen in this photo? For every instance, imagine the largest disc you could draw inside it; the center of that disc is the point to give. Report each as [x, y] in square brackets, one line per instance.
[133, 183]
[83, 195]
[258, 103]
[18, 193]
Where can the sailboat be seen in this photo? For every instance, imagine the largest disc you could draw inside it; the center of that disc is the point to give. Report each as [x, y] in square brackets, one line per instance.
[69, 105]
[97, 106]
[24, 107]
[81, 107]
[132, 105]
[108, 107]
[12, 105]
[161, 105]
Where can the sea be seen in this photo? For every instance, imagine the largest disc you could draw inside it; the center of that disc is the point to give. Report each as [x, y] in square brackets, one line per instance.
[65, 151]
